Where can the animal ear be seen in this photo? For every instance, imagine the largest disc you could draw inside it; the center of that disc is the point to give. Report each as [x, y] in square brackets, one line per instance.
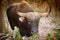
[21, 19]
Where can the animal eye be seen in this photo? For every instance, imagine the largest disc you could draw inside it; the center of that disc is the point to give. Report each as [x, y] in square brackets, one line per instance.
[21, 19]
[28, 22]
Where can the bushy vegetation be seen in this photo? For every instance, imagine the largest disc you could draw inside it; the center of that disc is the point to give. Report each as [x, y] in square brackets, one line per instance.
[55, 36]
[17, 35]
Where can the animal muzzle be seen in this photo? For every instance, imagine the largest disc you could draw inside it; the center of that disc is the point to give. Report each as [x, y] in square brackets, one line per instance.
[34, 28]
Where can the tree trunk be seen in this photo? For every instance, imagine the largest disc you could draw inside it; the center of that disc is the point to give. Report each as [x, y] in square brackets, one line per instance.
[2, 24]
[1, 20]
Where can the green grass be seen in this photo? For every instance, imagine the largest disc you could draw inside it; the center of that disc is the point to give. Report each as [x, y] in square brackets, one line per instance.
[17, 36]
[57, 34]
[48, 36]
[33, 37]
[7, 32]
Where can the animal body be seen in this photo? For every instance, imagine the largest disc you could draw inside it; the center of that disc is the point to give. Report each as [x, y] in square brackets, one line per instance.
[24, 27]
[29, 23]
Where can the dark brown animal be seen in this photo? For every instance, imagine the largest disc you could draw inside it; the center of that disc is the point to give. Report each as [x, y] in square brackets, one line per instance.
[33, 19]
[23, 7]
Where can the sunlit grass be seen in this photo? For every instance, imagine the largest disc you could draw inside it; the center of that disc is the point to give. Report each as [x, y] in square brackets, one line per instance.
[17, 36]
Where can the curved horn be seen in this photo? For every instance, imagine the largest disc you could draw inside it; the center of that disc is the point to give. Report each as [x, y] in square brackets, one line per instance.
[21, 14]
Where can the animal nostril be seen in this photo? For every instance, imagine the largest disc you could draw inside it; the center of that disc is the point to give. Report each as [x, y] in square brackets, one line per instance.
[34, 31]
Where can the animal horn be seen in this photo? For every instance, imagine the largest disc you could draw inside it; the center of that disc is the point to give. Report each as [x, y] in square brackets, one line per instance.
[21, 14]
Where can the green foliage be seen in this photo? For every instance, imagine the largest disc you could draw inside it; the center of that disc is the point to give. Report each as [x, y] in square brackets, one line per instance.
[55, 20]
[55, 30]
[33, 37]
[49, 36]
[57, 34]
[17, 35]
[7, 31]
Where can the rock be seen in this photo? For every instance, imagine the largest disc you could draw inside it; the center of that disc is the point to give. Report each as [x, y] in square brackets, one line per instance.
[46, 25]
